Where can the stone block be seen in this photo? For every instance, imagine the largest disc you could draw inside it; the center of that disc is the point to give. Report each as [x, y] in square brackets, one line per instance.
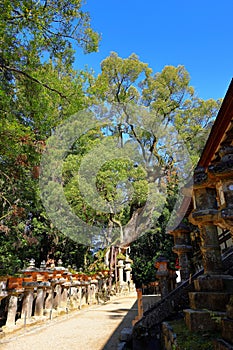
[230, 311]
[209, 284]
[220, 344]
[227, 330]
[126, 334]
[208, 300]
[202, 320]
[228, 284]
[121, 346]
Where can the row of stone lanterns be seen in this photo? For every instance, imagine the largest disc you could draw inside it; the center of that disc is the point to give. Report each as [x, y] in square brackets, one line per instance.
[47, 292]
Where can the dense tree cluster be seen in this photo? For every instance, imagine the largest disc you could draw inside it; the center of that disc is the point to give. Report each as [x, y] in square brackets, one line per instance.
[41, 89]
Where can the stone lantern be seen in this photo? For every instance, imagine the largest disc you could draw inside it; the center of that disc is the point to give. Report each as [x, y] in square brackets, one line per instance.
[182, 248]
[128, 269]
[14, 291]
[29, 284]
[211, 288]
[120, 266]
[204, 215]
[163, 275]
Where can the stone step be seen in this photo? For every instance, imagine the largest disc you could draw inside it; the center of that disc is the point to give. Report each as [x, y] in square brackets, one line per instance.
[214, 283]
[206, 284]
[200, 320]
[227, 330]
[216, 301]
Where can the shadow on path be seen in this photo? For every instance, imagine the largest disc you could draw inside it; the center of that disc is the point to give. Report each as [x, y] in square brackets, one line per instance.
[114, 339]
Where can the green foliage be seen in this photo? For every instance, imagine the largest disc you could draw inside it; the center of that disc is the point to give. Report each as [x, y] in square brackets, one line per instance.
[119, 79]
[187, 340]
[170, 101]
[98, 263]
[118, 182]
[121, 256]
[145, 251]
[39, 89]
[32, 29]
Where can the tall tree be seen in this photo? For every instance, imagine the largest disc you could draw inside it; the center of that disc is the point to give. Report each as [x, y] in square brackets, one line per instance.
[38, 89]
[157, 112]
[160, 114]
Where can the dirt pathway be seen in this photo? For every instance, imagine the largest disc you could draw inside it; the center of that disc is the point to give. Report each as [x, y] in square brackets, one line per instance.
[94, 328]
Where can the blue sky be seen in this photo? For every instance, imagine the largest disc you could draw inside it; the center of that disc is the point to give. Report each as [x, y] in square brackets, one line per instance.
[197, 34]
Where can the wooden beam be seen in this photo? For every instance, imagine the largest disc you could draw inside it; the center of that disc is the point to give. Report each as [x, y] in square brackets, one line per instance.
[221, 125]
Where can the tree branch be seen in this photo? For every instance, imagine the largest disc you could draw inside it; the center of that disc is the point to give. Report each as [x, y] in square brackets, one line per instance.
[20, 72]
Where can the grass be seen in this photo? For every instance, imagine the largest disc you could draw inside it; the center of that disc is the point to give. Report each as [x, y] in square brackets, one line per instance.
[187, 340]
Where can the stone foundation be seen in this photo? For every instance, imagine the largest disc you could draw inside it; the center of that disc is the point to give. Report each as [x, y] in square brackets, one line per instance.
[227, 330]
[205, 284]
[200, 320]
[215, 301]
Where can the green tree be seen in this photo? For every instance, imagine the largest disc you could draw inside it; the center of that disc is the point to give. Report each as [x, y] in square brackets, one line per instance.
[130, 86]
[38, 90]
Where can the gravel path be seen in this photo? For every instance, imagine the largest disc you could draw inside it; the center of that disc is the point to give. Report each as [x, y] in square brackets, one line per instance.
[94, 328]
